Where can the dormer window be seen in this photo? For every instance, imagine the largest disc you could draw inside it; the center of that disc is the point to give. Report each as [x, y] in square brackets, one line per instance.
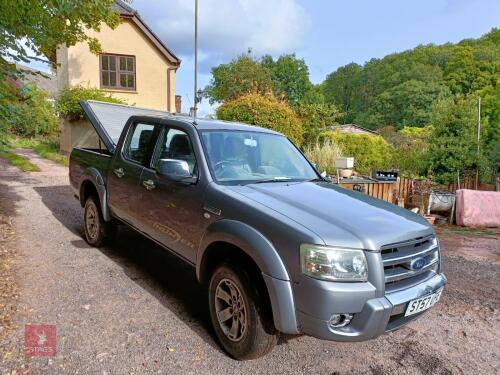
[117, 72]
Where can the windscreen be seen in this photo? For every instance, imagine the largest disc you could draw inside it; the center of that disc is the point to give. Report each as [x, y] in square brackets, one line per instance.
[240, 157]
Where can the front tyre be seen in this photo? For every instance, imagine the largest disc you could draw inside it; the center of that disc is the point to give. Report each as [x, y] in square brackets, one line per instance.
[243, 326]
[97, 231]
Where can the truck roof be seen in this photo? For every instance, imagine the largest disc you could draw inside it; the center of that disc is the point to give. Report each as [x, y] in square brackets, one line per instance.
[212, 124]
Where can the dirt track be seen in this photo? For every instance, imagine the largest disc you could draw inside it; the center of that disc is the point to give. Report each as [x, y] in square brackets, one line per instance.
[133, 308]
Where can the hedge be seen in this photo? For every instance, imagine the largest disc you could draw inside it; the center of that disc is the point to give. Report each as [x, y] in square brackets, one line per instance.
[370, 152]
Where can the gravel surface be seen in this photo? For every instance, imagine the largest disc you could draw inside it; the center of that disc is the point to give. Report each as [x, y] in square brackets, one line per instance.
[132, 308]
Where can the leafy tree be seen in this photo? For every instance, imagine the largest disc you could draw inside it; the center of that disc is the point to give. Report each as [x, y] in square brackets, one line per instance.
[490, 140]
[454, 145]
[341, 87]
[411, 149]
[290, 77]
[265, 111]
[30, 113]
[315, 118]
[409, 103]
[241, 76]
[42, 25]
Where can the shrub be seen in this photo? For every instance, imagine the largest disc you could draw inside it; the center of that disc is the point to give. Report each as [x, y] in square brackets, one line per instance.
[30, 113]
[68, 102]
[265, 111]
[323, 154]
[369, 152]
[411, 149]
[315, 117]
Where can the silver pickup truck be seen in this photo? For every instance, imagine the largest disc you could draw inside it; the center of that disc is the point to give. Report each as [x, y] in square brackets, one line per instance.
[280, 249]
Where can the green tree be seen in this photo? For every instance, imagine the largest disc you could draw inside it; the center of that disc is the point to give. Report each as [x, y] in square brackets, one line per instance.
[341, 87]
[42, 25]
[241, 76]
[315, 118]
[265, 111]
[490, 140]
[411, 149]
[453, 147]
[409, 103]
[290, 77]
[30, 113]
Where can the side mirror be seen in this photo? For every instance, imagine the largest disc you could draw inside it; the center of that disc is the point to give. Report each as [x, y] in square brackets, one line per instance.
[323, 174]
[176, 170]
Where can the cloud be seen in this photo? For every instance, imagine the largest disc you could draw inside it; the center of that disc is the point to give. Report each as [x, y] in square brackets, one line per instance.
[227, 28]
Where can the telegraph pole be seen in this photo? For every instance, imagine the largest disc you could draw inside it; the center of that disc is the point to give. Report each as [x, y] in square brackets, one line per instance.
[478, 138]
[195, 108]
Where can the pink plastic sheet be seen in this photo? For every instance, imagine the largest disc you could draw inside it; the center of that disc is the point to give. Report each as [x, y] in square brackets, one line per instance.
[478, 208]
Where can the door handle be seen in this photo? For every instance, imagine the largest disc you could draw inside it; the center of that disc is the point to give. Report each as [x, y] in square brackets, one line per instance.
[119, 172]
[148, 184]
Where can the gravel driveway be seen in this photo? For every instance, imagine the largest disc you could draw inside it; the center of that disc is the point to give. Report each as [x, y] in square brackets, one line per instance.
[133, 309]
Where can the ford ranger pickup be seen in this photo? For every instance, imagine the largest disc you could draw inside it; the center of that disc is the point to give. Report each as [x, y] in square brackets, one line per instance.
[279, 248]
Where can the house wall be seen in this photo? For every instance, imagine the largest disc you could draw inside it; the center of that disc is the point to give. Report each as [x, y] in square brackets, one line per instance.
[151, 66]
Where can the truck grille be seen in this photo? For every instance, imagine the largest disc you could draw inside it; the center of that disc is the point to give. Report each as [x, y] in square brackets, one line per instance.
[410, 262]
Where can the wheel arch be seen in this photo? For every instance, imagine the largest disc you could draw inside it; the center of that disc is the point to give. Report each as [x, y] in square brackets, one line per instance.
[93, 183]
[227, 238]
[246, 238]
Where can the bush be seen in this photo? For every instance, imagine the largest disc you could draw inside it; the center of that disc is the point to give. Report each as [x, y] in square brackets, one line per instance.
[370, 152]
[411, 150]
[323, 154]
[68, 102]
[315, 117]
[265, 111]
[30, 112]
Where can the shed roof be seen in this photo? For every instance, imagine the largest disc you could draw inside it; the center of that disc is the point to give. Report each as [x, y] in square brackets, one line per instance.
[345, 128]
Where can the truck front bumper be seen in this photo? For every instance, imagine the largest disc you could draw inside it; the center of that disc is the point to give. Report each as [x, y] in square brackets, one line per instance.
[377, 316]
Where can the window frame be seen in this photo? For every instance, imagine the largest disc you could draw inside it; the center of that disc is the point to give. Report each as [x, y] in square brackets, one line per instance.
[159, 144]
[152, 146]
[118, 72]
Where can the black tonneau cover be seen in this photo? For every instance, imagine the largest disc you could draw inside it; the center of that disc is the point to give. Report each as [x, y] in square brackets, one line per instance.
[109, 119]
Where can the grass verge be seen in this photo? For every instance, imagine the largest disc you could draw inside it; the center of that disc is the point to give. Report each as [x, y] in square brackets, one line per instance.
[46, 148]
[18, 161]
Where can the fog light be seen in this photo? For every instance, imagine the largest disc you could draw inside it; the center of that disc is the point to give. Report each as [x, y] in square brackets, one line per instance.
[339, 320]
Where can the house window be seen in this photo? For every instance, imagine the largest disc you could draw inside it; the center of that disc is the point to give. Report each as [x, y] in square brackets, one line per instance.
[117, 72]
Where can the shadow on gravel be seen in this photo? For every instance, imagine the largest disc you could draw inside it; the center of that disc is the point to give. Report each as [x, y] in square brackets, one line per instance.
[8, 200]
[164, 276]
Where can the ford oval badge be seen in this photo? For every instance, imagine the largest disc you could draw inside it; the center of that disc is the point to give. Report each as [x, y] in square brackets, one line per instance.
[417, 264]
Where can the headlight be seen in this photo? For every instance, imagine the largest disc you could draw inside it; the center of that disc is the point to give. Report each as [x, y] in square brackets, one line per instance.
[332, 263]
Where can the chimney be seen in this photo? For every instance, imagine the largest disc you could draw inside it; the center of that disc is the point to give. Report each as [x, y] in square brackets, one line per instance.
[178, 104]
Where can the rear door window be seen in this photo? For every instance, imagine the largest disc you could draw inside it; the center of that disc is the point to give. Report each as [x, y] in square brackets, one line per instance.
[140, 144]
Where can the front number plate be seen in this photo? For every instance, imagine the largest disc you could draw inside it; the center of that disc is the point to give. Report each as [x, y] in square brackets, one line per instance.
[423, 303]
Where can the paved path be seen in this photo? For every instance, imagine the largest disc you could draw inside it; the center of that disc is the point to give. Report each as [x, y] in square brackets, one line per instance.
[131, 308]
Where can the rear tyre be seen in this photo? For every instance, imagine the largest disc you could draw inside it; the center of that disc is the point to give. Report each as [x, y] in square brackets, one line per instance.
[243, 325]
[97, 231]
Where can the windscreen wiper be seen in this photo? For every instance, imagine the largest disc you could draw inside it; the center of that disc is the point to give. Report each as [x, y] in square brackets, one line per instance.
[276, 179]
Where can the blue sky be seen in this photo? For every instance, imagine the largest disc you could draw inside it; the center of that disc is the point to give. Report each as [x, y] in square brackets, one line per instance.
[325, 33]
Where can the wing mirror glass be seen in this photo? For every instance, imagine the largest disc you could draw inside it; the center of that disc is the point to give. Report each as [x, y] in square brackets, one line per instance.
[176, 170]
